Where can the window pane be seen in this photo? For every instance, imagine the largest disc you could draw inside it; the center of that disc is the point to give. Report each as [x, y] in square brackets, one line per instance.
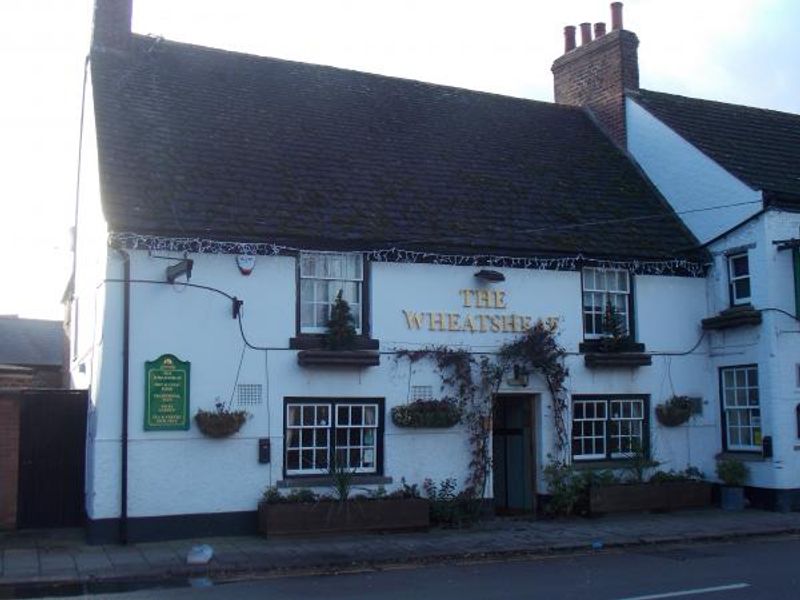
[740, 266]
[742, 288]
[293, 415]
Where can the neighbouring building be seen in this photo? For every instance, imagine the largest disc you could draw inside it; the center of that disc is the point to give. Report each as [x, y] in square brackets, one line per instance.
[227, 199]
[32, 353]
[733, 174]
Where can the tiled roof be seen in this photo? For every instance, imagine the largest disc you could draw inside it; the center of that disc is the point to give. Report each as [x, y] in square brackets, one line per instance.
[760, 147]
[31, 342]
[202, 142]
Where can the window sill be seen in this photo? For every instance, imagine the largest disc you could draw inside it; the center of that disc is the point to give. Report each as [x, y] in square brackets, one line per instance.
[599, 360]
[599, 346]
[603, 464]
[736, 316]
[303, 481]
[338, 358]
[316, 341]
[742, 455]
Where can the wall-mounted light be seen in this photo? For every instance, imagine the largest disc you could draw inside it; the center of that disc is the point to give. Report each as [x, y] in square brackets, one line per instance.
[519, 376]
[489, 275]
[183, 267]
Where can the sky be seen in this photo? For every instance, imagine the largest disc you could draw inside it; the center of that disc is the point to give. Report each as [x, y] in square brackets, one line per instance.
[741, 51]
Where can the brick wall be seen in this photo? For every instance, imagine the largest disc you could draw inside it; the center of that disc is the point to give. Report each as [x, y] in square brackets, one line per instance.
[596, 76]
[9, 458]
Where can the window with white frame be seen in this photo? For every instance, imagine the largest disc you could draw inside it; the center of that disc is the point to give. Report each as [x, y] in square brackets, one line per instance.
[601, 288]
[322, 276]
[321, 434]
[741, 408]
[607, 427]
[739, 278]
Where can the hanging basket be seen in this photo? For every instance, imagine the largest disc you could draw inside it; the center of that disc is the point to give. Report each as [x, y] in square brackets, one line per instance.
[674, 412]
[426, 413]
[220, 423]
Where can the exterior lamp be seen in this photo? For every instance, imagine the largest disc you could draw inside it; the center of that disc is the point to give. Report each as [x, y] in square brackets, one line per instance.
[489, 275]
[183, 267]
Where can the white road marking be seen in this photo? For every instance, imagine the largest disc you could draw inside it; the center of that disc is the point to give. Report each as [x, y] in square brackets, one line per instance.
[708, 590]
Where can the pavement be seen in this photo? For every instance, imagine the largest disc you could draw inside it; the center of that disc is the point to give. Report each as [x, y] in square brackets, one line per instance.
[63, 557]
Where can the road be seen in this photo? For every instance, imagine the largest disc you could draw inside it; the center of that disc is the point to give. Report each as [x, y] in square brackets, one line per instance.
[754, 569]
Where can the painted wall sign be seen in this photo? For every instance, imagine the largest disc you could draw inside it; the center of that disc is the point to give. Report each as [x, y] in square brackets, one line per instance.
[472, 322]
[166, 394]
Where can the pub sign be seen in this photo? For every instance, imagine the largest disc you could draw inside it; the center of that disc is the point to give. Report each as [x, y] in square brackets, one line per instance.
[166, 394]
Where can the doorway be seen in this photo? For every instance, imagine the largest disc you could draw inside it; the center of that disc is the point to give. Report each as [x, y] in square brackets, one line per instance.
[513, 464]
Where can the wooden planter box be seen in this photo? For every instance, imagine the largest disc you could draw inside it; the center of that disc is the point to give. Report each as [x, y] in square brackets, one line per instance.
[390, 514]
[670, 495]
[338, 358]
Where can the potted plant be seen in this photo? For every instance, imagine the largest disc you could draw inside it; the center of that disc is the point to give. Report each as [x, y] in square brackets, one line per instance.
[675, 411]
[733, 473]
[340, 342]
[220, 422]
[427, 413]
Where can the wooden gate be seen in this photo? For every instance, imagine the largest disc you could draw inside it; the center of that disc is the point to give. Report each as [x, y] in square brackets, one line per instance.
[51, 458]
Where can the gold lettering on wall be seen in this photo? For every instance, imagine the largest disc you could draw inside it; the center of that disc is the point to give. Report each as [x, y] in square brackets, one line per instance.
[471, 322]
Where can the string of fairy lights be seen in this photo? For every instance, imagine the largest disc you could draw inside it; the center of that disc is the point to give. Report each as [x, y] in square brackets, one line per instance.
[198, 245]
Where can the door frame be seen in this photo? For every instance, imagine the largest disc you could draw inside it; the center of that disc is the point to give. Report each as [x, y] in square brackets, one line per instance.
[530, 400]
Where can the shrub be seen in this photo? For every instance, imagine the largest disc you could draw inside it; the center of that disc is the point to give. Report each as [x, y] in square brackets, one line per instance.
[448, 507]
[688, 474]
[426, 413]
[732, 471]
[568, 488]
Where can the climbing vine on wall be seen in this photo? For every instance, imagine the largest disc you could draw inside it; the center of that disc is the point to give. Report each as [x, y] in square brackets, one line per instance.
[473, 379]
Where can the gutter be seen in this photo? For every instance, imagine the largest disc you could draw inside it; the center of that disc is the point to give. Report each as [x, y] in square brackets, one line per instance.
[126, 321]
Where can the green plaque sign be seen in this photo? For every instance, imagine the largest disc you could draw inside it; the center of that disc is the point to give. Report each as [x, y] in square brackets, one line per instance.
[166, 394]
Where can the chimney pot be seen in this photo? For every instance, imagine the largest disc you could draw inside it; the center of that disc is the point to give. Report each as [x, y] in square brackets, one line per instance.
[616, 16]
[586, 33]
[599, 30]
[569, 38]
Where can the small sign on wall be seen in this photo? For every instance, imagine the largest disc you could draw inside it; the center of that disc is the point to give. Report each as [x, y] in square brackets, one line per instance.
[166, 394]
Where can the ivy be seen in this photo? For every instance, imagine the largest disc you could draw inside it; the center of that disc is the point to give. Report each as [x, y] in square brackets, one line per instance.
[473, 380]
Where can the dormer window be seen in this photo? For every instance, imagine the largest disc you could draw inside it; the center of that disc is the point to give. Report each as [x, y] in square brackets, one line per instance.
[322, 276]
[739, 278]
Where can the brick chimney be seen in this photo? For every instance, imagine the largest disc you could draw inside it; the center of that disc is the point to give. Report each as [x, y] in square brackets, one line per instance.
[597, 73]
[112, 24]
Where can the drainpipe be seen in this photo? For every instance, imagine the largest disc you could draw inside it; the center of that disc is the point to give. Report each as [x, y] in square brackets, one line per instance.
[126, 321]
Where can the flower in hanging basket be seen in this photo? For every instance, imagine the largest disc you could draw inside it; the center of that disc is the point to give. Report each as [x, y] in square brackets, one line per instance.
[427, 413]
[675, 411]
[221, 422]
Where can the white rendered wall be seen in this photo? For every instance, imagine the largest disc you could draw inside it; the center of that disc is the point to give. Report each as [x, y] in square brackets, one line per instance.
[774, 344]
[686, 177]
[185, 472]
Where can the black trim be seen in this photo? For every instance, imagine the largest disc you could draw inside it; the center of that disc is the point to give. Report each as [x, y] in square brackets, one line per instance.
[622, 461]
[596, 345]
[317, 341]
[381, 402]
[338, 358]
[172, 527]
